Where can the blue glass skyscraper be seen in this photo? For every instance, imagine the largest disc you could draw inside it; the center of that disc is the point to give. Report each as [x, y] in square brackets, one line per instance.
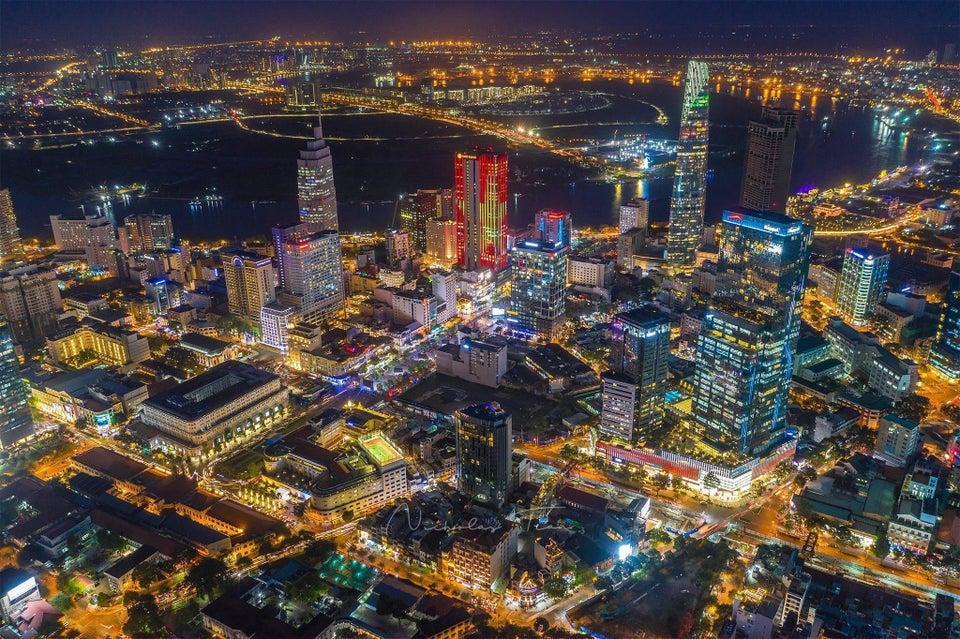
[945, 352]
[15, 421]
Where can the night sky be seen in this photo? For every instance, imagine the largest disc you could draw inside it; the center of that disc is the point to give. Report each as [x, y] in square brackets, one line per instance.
[692, 26]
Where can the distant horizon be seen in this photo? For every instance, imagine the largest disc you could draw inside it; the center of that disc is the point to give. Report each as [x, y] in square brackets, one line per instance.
[672, 27]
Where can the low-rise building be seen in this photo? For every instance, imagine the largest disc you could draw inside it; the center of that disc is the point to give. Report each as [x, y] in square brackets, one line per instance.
[478, 558]
[477, 361]
[91, 342]
[897, 440]
[914, 525]
[210, 351]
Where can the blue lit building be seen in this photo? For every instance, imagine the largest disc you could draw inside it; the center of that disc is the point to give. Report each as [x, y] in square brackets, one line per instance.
[15, 421]
[945, 352]
[634, 387]
[746, 347]
[555, 226]
[538, 301]
[861, 285]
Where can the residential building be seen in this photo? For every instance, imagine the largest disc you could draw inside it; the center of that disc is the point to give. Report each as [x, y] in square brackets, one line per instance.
[480, 200]
[399, 246]
[418, 209]
[316, 191]
[484, 438]
[689, 178]
[635, 214]
[629, 244]
[15, 421]
[862, 280]
[441, 241]
[444, 285]
[312, 269]
[538, 300]
[861, 353]
[768, 161]
[479, 558]
[30, 301]
[250, 282]
[148, 232]
[591, 272]
[9, 231]
[897, 440]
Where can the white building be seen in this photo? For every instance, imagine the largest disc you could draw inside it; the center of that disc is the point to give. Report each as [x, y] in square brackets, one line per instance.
[275, 320]
[635, 214]
[473, 360]
[589, 271]
[897, 440]
[445, 290]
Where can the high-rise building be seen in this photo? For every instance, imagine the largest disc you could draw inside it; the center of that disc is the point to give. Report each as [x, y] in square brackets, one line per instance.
[769, 160]
[15, 421]
[281, 235]
[445, 290]
[312, 273]
[249, 280]
[417, 209]
[484, 437]
[634, 387]
[316, 192]
[442, 241]
[538, 301]
[9, 232]
[862, 280]
[480, 198]
[945, 352]
[741, 382]
[555, 226]
[897, 440]
[30, 301]
[275, 320]
[149, 232]
[629, 244]
[635, 214]
[690, 176]
[763, 263]
[398, 246]
[745, 349]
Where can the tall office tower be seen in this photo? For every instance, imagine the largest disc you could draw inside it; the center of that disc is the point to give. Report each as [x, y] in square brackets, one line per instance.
[763, 263]
[9, 233]
[398, 246]
[635, 214]
[480, 196]
[30, 301]
[634, 386]
[316, 192]
[555, 226]
[739, 386]
[149, 232]
[484, 437]
[281, 235]
[442, 241]
[690, 176]
[538, 301]
[862, 280]
[417, 209]
[249, 280]
[313, 274]
[745, 350]
[769, 160]
[945, 352]
[15, 421]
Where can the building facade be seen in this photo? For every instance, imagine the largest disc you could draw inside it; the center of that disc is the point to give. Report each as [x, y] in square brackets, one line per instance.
[769, 160]
[480, 200]
[316, 191]
[250, 283]
[554, 226]
[484, 437]
[861, 285]
[945, 352]
[635, 214]
[30, 301]
[15, 421]
[538, 301]
[9, 231]
[313, 273]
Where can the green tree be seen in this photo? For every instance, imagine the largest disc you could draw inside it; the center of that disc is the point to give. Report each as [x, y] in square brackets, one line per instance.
[881, 546]
[711, 481]
[143, 619]
[912, 407]
[207, 576]
[555, 587]
[660, 481]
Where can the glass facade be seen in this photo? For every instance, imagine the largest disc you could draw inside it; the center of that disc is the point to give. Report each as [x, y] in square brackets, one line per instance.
[15, 420]
[538, 301]
[484, 438]
[862, 280]
[689, 178]
[316, 192]
[945, 353]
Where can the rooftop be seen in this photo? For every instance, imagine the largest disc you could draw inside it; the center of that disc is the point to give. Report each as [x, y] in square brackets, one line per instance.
[219, 386]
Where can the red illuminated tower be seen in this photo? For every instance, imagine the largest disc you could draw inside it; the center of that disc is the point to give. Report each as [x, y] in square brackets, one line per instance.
[480, 194]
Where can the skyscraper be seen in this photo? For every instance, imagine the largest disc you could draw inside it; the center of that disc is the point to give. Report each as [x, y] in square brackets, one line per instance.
[480, 200]
[312, 273]
[635, 214]
[398, 246]
[442, 241]
[862, 280]
[9, 232]
[555, 226]
[689, 178]
[484, 437]
[149, 232]
[745, 349]
[417, 209]
[30, 301]
[633, 388]
[769, 160]
[945, 352]
[15, 421]
[538, 301]
[249, 280]
[316, 192]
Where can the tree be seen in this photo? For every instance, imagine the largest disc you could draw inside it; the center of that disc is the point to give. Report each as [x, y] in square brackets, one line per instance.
[555, 587]
[309, 588]
[143, 619]
[319, 550]
[207, 576]
[541, 626]
[912, 407]
[711, 481]
[660, 481]
[881, 546]
[676, 482]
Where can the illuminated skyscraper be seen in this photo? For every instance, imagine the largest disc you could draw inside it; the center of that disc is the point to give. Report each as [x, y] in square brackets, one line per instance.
[635, 214]
[417, 209]
[538, 301]
[480, 200]
[633, 388]
[555, 226]
[316, 192]
[312, 273]
[9, 232]
[249, 280]
[945, 352]
[689, 179]
[745, 350]
[769, 160]
[15, 421]
[149, 232]
[484, 437]
[862, 280]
